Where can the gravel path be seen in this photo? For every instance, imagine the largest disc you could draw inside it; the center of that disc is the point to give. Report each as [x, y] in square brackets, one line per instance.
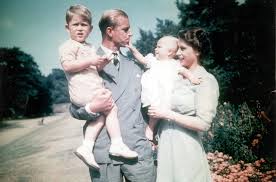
[30, 152]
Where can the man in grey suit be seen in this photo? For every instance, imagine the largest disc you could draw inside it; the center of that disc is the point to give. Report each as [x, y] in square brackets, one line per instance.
[122, 77]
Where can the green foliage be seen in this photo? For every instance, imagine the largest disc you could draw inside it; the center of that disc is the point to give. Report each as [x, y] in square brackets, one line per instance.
[23, 88]
[233, 131]
[146, 43]
[57, 83]
[148, 40]
[243, 39]
[166, 27]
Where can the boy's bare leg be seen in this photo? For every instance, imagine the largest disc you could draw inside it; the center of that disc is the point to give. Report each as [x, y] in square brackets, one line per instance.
[93, 129]
[112, 124]
[117, 148]
[85, 151]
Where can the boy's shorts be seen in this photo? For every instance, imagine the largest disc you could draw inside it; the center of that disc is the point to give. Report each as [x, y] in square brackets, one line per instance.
[81, 114]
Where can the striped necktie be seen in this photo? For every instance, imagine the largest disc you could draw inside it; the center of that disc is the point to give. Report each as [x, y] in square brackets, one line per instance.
[116, 61]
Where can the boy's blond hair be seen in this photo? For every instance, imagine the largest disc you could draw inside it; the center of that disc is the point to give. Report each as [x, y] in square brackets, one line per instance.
[78, 10]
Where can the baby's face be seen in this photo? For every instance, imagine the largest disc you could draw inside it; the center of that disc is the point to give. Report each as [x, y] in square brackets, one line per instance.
[162, 51]
[78, 28]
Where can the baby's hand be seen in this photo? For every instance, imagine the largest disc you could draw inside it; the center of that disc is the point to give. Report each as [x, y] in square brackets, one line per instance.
[195, 80]
[188, 75]
[130, 46]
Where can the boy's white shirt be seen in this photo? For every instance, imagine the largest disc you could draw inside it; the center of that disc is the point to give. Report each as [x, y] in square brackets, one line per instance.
[82, 85]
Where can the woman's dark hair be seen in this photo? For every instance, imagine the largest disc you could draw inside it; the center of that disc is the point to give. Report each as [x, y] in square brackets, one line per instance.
[198, 39]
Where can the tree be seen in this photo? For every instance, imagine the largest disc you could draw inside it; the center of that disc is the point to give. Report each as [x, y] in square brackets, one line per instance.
[148, 40]
[23, 88]
[57, 83]
[242, 37]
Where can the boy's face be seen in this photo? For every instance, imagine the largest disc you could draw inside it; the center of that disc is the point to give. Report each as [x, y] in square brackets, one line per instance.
[78, 28]
[162, 51]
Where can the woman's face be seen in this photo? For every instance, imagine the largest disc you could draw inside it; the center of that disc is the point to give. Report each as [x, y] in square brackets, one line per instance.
[187, 56]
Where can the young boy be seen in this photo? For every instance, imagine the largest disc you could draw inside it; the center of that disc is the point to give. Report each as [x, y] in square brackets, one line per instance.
[158, 80]
[81, 65]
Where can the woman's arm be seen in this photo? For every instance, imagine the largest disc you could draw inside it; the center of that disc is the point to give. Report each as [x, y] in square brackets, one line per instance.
[206, 100]
[191, 122]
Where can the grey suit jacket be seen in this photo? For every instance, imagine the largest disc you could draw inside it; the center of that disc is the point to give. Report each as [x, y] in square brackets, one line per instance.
[125, 86]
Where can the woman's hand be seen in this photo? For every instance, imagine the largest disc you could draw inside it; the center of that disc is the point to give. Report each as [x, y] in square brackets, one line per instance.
[156, 112]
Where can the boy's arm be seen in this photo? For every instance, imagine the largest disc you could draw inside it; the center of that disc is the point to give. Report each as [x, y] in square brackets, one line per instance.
[78, 65]
[71, 64]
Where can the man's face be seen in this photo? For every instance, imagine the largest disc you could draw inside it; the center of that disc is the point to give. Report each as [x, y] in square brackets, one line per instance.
[121, 32]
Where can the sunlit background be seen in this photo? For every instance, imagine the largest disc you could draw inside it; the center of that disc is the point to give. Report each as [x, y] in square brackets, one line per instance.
[37, 26]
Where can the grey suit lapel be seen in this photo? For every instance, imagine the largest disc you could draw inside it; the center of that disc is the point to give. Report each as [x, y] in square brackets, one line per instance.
[109, 69]
[123, 72]
[120, 77]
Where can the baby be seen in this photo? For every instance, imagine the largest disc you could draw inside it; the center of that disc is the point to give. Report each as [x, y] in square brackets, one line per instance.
[81, 65]
[163, 71]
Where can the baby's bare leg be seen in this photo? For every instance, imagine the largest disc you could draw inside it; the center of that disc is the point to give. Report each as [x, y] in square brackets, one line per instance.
[150, 128]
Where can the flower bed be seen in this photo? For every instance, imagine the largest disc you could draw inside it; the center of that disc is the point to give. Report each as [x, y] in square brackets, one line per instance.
[224, 169]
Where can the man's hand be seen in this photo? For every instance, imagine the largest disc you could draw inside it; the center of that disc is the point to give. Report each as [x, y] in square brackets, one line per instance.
[102, 102]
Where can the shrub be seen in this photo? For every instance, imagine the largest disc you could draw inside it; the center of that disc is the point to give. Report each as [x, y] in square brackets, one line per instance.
[235, 131]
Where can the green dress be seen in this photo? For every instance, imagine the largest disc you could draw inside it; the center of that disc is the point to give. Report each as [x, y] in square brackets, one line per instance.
[181, 156]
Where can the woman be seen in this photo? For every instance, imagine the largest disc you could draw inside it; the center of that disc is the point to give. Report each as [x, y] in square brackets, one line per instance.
[181, 157]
